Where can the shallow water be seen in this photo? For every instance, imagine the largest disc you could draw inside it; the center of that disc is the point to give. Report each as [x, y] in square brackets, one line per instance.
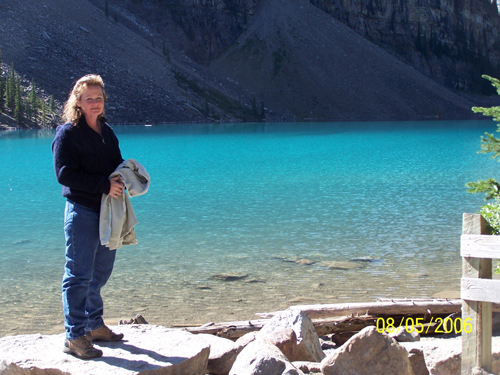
[251, 198]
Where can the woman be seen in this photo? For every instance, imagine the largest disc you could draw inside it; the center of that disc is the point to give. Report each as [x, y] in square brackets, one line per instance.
[86, 152]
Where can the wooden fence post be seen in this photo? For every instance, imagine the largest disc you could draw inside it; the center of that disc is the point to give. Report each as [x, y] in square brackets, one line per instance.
[476, 345]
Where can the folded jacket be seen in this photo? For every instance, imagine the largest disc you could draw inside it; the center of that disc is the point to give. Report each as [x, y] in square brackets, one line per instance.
[117, 219]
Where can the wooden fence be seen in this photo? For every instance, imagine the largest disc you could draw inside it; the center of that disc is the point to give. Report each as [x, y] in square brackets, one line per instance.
[478, 291]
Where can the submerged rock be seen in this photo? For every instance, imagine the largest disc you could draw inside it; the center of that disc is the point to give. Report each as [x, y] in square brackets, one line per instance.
[232, 276]
[341, 265]
[203, 287]
[301, 300]
[305, 262]
[364, 259]
[286, 259]
[255, 281]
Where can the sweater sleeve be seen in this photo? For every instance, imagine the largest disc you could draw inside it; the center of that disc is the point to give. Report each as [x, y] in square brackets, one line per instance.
[69, 165]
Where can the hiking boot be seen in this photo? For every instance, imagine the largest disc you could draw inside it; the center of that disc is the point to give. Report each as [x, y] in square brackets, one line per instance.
[81, 348]
[104, 334]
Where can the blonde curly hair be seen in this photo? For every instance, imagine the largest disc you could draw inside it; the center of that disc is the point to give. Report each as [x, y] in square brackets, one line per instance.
[72, 112]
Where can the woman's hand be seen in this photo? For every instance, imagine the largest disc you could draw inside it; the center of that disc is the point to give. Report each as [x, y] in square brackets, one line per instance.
[117, 186]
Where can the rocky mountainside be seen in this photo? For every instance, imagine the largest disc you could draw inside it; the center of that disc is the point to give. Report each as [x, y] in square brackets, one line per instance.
[228, 60]
[454, 42]
[55, 42]
[295, 53]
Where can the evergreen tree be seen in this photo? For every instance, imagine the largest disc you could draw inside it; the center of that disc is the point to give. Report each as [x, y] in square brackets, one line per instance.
[489, 144]
[32, 98]
[2, 91]
[10, 96]
[27, 109]
[7, 93]
[19, 102]
[18, 112]
[52, 106]
[2, 84]
[17, 108]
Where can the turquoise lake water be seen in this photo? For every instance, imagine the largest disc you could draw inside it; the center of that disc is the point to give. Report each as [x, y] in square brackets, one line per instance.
[251, 199]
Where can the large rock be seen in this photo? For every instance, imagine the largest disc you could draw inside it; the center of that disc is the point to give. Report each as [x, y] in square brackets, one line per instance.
[245, 340]
[308, 367]
[450, 365]
[285, 340]
[308, 345]
[403, 334]
[368, 353]
[223, 353]
[443, 356]
[260, 357]
[417, 362]
[147, 349]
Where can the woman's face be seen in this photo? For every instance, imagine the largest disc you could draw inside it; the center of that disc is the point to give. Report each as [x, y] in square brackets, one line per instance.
[91, 102]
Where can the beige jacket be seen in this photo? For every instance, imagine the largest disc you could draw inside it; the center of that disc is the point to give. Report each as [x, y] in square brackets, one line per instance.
[117, 220]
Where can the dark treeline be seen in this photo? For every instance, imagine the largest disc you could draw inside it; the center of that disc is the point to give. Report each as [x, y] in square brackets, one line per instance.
[21, 104]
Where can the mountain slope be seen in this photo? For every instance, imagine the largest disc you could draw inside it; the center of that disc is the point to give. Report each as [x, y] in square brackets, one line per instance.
[289, 57]
[453, 42]
[57, 41]
[303, 64]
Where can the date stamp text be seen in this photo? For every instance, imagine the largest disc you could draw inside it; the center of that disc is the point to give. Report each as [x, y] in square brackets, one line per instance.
[440, 325]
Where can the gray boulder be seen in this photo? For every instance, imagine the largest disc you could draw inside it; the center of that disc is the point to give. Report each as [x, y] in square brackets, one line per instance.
[308, 344]
[147, 349]
[308, 367]
[417, 362]
[443, 356]
[285, 340]
[368, 353]
[450, 365]
[223, 353]
[260, 357]
[245, 340]
[403, 334]
[480, 371]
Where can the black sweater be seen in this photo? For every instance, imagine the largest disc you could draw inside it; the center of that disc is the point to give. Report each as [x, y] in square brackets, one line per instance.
[83, 161]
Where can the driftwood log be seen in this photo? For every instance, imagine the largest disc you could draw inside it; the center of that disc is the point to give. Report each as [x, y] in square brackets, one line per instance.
[347, 319]
[229, 330]
[381, 307]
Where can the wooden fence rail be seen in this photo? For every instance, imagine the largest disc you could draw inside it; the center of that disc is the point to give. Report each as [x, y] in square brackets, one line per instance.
[478, 291]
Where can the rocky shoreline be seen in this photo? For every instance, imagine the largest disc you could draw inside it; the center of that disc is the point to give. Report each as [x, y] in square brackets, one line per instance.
[286, 344]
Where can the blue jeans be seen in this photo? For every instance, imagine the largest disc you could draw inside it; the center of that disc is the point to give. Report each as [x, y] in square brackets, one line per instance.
[88, 267]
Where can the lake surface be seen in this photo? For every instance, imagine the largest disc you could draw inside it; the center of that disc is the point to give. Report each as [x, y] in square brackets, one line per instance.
[251, 199]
